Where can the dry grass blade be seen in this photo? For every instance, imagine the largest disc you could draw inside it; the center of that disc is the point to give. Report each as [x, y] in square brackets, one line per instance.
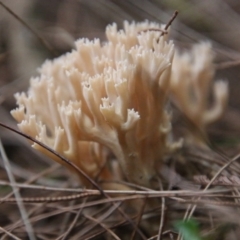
[9, 234]
[71, 226]
[198, 183]
[24, 214]
[171, 20]
[230, 64]
[50, 199]
[41, 40]
[161, 224]
[81, 172]
[104, 216]
[139, 217]
[212, 181]
[232, 181]
[114, 236]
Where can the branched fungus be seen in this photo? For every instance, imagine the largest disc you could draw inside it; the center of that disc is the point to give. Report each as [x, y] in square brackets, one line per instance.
[191, 81]
[104, 96]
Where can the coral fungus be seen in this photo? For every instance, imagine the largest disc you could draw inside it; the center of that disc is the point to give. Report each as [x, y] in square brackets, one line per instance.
[111, 97]
[191, 82]
[105, 96]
